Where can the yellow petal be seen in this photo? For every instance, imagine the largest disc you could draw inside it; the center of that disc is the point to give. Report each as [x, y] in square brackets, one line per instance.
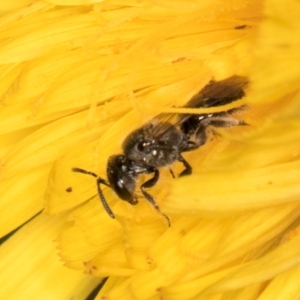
[34, 269]
[277, 52]
[22, 197]
[247, 190]
[6, 6]
[275, 262]
[284, 286]
[47, 38]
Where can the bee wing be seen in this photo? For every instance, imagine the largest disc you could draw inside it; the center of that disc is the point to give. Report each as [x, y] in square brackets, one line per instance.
[163, 122]
[216, 93]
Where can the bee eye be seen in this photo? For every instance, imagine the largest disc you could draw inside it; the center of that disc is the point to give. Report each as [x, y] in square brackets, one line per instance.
[141, 146]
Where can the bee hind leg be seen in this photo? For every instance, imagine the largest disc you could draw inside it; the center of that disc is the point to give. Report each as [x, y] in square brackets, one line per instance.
[202, 134]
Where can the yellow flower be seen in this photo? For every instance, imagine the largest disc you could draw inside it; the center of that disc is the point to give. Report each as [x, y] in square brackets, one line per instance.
[76, 78]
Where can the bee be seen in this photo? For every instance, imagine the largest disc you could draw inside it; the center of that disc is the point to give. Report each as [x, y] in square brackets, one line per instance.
[161, 142]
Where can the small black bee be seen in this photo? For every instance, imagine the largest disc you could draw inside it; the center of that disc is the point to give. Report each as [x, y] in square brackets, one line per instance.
[161, 142]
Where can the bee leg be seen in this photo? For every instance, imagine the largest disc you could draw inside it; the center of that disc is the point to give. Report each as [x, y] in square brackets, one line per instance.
[236, 110]
[223, 121]
[188, 169]
[99, 181]
[172, 173]
[190, 145]
[148, 184]
[202, 133]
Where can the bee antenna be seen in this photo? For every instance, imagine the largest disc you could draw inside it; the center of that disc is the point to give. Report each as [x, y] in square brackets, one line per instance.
[99, 181]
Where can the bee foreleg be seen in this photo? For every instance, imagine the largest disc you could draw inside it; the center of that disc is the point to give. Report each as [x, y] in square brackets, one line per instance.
[148, 184]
